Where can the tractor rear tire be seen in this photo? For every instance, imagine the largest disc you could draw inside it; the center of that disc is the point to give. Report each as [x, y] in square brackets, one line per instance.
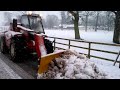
[2, 45]
[14, 51]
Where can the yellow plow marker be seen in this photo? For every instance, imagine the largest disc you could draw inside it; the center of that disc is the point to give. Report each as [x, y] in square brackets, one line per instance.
[46, 59]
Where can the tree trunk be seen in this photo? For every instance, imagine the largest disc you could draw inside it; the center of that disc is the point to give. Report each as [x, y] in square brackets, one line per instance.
[86, 22]
[116, 36]
[108, 27]
[76, 21]
[61, 25]
[76, 28]
[108, 24]
[108, 20]
[96, 24]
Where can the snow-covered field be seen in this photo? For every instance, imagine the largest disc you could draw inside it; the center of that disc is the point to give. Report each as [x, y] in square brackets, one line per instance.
[90, 35]
[99, 36]
[107, 66]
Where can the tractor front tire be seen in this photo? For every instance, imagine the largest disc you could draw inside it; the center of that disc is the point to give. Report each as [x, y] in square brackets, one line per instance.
[2, 45]
[49, 46]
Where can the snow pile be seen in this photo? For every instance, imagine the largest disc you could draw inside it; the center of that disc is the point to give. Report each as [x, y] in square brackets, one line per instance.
[72, 65]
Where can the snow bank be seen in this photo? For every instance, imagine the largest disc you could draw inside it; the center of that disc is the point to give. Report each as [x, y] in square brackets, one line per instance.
[107, 67]
[72, 65]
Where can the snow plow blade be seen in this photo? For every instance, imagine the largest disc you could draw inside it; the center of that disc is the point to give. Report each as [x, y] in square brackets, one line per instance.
[45, 60]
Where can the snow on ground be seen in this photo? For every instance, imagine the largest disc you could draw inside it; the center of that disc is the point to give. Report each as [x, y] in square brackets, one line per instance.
[90, 35]
[108, 68]
[6, 72]
[72, 65]
[99, 36]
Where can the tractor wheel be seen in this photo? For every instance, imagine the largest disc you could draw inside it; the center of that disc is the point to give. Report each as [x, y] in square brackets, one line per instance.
[2, 45]
[49, 46]
[14, 52]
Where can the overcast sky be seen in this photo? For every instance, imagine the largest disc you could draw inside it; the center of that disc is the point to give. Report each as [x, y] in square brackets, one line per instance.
[45, 13]
[42, 13]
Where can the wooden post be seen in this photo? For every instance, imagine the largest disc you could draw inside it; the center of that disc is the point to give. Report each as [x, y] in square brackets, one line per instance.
[116, 58]
[69, 44]
[89, 50]
[119, 64]
[54, 43]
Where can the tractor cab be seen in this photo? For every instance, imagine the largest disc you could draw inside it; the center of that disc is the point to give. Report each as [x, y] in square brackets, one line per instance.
[33, 22]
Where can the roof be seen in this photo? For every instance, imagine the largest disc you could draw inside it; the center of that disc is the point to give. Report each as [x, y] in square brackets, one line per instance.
[24, 28]
[31, 15]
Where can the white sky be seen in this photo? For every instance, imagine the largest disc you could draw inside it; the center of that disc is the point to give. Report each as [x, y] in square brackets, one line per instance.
[45, 13]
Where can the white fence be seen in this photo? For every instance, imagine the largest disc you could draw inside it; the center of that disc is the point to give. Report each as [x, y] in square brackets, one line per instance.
[3, 28]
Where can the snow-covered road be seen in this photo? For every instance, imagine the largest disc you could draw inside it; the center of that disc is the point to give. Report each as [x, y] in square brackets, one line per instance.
[11, 70]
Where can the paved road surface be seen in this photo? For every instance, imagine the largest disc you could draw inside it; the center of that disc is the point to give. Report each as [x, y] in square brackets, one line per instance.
[11, 70]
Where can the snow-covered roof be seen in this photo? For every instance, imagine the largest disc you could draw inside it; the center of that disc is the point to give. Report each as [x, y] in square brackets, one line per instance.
[24, 28]
[13, 33]
[42, 34]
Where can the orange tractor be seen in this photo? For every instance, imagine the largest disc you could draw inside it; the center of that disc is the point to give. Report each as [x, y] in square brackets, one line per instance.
[28, 37]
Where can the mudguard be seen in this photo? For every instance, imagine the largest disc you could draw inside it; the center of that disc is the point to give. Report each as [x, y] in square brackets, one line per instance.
[44, 58]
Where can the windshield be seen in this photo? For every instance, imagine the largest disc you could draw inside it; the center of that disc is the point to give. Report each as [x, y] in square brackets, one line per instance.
[32, 22]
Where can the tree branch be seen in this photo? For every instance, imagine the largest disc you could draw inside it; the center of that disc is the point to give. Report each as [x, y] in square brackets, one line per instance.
[81, 18]
[72, 12]
[115, 12]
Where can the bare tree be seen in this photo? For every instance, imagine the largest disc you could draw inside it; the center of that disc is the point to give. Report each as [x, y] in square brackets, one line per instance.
[109, 17]
[75, 18]
[63, 18]
[116, 36]
[69, 19]
[111, 21]
[86, 14]
[7, 17]
[51, 21]
[96, 21]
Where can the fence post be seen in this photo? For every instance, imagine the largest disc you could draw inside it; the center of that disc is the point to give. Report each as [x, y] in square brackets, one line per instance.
[54, 43]
[69, 44]
[89, 50]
